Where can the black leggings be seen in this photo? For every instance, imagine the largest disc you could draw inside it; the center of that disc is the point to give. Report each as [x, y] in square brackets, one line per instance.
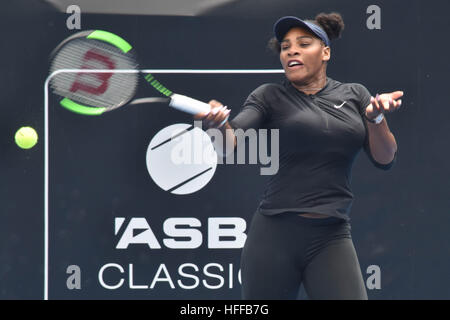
[285, 250]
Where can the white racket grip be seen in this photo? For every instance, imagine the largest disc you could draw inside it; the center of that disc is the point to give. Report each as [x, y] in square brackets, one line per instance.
[187, 104]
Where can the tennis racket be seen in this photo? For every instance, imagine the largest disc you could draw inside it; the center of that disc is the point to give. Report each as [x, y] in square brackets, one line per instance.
[94, 93]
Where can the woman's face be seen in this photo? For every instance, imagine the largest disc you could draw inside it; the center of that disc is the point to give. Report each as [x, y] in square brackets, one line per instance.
[302, 55]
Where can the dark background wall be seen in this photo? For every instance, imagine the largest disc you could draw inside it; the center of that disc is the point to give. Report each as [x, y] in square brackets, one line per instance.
[97, 165]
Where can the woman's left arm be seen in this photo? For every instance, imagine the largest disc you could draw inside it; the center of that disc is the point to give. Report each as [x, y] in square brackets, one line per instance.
[381, 140]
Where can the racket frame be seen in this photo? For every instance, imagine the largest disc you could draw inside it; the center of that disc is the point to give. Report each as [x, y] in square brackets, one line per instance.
[99, 35]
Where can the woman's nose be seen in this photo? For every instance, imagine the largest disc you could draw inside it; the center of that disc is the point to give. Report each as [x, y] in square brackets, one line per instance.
[293, 52]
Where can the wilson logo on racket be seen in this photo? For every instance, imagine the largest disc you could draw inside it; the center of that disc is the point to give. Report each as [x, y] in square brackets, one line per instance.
[89, 56]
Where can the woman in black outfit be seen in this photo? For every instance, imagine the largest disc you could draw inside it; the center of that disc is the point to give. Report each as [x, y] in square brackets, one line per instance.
[300, 232]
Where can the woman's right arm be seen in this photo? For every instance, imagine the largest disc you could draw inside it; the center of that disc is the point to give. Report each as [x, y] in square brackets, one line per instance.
[214, 119]
[251, 116]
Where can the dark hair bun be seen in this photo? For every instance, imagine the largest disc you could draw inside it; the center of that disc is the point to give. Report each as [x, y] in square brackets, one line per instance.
[332, 23]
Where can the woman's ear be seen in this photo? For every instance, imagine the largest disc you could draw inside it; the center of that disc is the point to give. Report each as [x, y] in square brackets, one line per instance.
[326, 54]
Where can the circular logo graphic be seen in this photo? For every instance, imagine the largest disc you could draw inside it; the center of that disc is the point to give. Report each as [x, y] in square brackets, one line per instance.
[181, 159]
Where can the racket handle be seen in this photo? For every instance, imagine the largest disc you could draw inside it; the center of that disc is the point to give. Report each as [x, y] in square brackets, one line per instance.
[187, 104]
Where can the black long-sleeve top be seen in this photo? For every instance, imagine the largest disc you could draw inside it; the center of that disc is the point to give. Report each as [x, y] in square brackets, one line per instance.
[320, 138]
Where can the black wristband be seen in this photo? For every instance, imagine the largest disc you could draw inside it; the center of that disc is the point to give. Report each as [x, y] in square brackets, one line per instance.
[370, 120]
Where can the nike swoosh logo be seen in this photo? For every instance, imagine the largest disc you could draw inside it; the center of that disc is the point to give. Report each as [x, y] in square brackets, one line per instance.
[337, 107]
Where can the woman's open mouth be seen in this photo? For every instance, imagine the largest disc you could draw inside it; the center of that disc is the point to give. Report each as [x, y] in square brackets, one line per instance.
[295, 64]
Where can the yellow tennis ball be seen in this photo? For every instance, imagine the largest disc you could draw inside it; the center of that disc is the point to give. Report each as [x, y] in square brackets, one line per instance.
[26, 137]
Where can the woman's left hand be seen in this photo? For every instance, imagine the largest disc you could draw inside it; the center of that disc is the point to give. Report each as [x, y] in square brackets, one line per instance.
[384, 103]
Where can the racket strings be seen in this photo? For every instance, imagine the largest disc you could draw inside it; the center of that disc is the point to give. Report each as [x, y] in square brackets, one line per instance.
[109, 101]
[103, 90]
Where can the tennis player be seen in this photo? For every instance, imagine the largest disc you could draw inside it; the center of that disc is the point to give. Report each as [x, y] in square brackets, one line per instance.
[300, 232]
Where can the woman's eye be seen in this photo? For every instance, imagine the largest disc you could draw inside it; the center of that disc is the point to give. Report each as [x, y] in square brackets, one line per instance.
[301, 45]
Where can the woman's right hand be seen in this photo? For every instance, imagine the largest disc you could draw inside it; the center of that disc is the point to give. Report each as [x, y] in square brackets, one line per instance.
[216, 117]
